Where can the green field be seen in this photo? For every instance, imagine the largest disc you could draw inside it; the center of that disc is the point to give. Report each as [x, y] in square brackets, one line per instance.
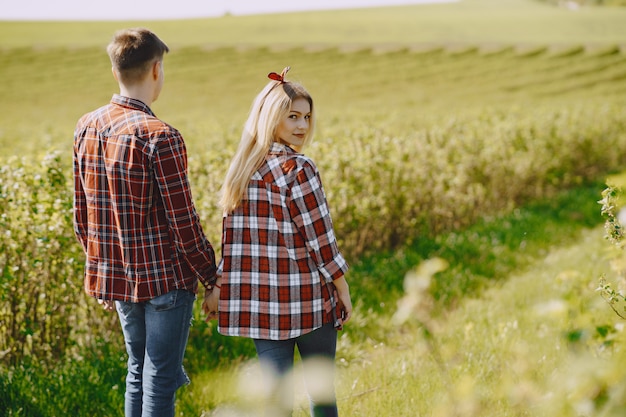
[479, 132]
[498, 121]
[432, 61]
[472, 22]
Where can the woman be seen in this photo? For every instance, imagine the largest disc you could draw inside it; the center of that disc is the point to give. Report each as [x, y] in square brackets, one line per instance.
[282, 276]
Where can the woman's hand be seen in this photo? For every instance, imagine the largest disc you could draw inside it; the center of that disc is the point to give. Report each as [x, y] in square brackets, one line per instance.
[345, 302]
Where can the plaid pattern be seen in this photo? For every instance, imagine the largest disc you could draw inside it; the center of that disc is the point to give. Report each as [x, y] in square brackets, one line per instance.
[133, 209]
[280, 254]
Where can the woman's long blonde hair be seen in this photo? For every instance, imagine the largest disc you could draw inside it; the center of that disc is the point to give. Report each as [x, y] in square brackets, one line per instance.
[268, 108]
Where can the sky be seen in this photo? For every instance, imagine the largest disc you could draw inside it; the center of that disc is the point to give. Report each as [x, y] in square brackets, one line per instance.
[172, 9]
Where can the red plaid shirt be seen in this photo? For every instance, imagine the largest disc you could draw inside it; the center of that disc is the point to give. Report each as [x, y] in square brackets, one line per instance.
[133, 210]
[280, 254]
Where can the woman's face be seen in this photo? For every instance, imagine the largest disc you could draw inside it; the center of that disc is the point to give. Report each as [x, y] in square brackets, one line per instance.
[292, 128]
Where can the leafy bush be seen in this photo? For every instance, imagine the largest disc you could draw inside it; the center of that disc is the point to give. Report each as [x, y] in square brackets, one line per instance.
[387, 191]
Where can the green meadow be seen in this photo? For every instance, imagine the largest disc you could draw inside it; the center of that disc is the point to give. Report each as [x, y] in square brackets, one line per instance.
[464, 148]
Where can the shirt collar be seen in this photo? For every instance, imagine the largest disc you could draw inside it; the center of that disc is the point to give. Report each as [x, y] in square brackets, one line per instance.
[131, 103]
[278, 147]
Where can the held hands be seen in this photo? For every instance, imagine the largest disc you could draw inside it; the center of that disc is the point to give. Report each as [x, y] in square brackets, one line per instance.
[210, 303]
[108, 305]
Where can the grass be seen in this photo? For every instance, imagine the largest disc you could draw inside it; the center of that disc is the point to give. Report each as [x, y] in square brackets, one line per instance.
[434, 62]
[207, 92]
[539, 342]
[506, 353]
[87, 385]
[484, 254]
[441, 57]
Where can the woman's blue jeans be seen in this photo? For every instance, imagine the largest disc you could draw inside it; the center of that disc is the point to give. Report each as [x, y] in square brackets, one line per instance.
[317, 350]
[155, 333]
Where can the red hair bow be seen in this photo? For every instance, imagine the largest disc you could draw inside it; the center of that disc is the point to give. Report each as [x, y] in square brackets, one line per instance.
[278, 77]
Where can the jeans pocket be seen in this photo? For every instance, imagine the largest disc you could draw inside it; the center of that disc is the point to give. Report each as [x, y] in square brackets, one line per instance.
[164, 302]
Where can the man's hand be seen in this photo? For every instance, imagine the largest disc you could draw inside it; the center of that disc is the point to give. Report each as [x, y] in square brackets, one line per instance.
[108, 305]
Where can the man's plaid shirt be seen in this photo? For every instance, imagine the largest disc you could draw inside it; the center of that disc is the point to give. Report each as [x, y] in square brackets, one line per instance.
[280, 254]
[133, 210]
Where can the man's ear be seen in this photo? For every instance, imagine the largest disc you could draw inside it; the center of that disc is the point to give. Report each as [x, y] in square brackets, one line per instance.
[156, 69]
[115, 74]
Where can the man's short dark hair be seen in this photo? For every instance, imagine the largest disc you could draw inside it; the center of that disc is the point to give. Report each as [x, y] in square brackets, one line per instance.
[133, 51]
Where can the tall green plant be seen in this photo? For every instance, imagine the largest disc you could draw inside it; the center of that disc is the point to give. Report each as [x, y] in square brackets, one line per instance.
[43, 311]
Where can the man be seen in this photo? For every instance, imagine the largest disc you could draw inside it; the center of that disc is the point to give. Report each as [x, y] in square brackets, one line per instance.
[135, 218]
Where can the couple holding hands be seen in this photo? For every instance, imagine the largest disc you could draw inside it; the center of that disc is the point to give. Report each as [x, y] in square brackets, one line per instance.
[281, 278]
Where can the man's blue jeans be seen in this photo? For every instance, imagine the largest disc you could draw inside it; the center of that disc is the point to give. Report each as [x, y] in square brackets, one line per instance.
[155, 333]
[317, 350]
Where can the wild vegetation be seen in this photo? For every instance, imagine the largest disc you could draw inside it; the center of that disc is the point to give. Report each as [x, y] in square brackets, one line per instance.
[489, 157]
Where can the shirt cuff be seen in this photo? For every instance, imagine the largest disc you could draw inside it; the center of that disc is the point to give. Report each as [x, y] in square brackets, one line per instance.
[335, 269]
[208, 278]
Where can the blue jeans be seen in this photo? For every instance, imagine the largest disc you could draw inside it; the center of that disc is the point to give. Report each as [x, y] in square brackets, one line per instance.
[317, 350]
[155, 333]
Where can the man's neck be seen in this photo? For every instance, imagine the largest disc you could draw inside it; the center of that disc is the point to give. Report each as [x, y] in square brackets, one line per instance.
[137, 92]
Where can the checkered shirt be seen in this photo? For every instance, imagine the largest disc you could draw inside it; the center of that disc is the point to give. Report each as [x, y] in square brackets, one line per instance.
[133, 210]
[280, 255]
